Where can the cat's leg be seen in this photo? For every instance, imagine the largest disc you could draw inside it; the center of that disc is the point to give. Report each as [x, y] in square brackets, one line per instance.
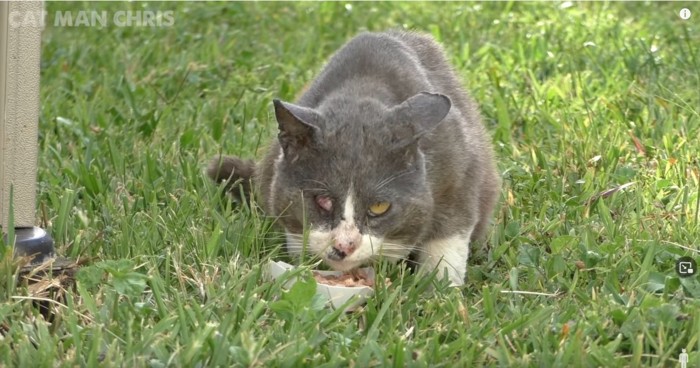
[449, 255]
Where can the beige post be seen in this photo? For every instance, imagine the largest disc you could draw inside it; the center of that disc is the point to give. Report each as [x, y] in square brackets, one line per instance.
[20, 45]
[21, 23]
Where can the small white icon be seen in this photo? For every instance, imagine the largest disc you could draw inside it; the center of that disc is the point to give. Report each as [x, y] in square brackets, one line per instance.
[686, 268]
[685, 14]
[683, 358]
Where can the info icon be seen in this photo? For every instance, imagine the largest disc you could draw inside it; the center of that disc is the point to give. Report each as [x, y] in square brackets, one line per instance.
[686, 267]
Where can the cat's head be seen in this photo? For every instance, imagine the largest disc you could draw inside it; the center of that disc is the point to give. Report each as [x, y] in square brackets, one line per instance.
[353, 173]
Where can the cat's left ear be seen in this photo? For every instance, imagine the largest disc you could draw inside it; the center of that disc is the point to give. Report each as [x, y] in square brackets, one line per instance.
[420, 114]
[297, 127]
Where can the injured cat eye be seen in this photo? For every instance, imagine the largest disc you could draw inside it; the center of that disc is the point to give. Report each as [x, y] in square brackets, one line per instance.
[324, 202]
[379, 208]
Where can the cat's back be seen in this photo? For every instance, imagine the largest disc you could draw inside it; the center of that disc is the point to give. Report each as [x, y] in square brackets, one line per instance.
[391, 66]
[394, 65]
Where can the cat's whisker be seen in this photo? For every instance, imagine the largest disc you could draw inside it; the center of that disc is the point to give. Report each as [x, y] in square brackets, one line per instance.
[388, 180]
[398, 246]
[323, 185]
[315, 190]
[295, 250]
[385, 243]
[294, 240]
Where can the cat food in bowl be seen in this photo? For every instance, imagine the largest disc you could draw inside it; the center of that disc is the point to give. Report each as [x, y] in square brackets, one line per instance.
[354, 279]
[337, 287]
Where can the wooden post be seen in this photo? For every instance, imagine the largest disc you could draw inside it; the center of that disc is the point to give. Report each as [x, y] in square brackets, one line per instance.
[21, 23]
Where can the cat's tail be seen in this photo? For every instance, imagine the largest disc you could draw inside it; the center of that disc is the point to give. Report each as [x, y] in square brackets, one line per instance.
[236, 174]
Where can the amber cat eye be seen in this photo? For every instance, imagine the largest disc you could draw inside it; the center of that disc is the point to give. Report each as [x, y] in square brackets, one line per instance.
[379, 208]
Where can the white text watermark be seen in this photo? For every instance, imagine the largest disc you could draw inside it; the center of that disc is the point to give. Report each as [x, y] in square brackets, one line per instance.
[92, 18]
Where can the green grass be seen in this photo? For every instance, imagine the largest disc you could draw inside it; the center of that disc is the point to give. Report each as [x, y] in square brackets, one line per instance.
[131, 115]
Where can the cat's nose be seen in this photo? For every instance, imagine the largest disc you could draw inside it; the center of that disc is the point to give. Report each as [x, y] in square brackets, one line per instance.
[346, 247]
[341, 250]
[336, 255]
[345, 238]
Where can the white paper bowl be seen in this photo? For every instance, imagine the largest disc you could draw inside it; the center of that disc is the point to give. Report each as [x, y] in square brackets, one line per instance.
[336, 295]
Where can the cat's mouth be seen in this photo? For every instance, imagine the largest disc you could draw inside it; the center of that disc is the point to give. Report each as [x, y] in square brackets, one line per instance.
[341, 265]
[343, 248]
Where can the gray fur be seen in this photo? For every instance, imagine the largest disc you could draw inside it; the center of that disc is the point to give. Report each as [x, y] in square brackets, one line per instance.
[388, 117]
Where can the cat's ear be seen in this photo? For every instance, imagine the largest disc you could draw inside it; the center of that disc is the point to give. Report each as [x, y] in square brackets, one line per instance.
[297, 127]
[419, 115]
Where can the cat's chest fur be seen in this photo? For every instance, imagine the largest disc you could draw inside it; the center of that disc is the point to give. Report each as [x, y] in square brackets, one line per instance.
[383, 156]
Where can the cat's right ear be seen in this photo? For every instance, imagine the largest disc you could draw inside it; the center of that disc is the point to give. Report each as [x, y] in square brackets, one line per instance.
[297, 127]
[419, 115]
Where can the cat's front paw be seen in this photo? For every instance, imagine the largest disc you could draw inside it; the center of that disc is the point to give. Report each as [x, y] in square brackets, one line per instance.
[449, 256]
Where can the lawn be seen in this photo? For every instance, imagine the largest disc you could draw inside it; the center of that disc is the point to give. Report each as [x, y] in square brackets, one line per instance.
[594, 109]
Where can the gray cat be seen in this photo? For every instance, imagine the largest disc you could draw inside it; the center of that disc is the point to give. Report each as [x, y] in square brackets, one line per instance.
[383, 156]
